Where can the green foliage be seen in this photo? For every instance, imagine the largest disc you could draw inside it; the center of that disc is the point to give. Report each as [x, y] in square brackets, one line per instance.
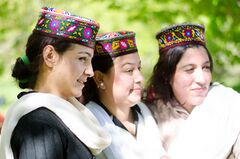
[145, 17]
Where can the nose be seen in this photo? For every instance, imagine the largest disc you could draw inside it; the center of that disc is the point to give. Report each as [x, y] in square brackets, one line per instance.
[201, 77]
[139, 77]
[89, 71]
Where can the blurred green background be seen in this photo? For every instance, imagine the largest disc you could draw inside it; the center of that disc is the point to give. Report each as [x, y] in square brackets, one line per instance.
[145, 17]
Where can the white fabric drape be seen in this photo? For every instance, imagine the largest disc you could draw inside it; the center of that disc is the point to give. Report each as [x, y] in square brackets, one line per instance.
[74, 115]
[212, 130]
[146, 145]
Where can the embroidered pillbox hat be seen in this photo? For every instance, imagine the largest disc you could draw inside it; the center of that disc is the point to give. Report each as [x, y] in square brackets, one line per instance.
[179, 35]
[59, 23]
[115, 43]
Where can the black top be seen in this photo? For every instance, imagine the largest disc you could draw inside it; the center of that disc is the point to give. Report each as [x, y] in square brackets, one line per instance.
[41, 134]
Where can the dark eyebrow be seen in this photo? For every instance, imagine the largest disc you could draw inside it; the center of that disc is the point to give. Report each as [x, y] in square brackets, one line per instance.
[131, 63]
[84, 52]
[207, 62]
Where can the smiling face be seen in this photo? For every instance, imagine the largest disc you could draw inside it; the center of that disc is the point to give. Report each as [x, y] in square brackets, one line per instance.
[192, 77]
[73, 69]
[124, 81]
[64, 75]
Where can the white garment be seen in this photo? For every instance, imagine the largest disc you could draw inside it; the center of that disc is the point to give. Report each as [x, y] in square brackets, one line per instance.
[212, 130]
[146, 145]
[74, 115]
[170, 120]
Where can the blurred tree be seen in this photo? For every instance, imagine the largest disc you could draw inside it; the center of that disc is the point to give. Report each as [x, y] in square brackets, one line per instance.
[145, 17]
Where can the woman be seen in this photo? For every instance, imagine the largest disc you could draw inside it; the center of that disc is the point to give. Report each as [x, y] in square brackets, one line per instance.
[197, 118]
[115, 99]
[1, 121]
[48, 122]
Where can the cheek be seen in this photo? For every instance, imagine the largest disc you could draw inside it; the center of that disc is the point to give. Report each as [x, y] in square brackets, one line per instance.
[78, 68]
[209, 77]
[122, 80]
[180, 86]
[181, 81]
[181, 93]
[121, 84]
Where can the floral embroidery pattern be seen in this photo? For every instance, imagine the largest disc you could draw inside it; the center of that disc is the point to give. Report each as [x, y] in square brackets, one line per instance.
[180, 35]
[115, 43]
[63, 24]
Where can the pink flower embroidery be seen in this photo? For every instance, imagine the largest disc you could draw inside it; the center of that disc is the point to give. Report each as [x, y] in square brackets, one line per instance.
[54, 25]
[41, 21]
[107, 47]
[123, 44]
[71, 28]
[87, 33]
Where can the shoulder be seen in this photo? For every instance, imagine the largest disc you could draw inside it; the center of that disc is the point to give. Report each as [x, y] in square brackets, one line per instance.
[39, 128]
[41, 115]
[222, 89]
[39, 120]
[96, 109]
[221, 93]
[101, 115]
[143, 108]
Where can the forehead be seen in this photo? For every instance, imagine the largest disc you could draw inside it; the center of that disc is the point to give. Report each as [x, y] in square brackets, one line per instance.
[195, 55]
[132, 58]
[81, 49]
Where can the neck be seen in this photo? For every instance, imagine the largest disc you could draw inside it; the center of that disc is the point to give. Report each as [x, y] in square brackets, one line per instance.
[188, 108]
[123, 113]
[44, 84]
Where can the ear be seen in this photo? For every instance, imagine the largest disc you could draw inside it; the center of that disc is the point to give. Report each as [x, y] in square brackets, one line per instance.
[50, 56]
[98, 77]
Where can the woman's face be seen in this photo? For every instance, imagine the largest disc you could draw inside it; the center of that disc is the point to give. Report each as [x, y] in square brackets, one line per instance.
[72, 70]
[192, 78]
[124, 81]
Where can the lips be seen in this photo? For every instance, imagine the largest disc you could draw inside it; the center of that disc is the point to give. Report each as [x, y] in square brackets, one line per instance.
[79, 81]
[200, 89]
[82, 81]
[137, 90]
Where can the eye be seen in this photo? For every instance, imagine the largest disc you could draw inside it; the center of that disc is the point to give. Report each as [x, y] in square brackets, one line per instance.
[129, 70]
[140, 68]
[207, 68]
[82, 59]
[189, 70]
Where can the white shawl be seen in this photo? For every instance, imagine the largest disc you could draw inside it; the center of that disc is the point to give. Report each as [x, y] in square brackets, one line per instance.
[74, 115]
[212, 131]
[146, 145]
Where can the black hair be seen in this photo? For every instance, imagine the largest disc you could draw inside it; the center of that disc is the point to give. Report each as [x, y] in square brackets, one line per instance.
[164, 71]
[103, 64]
[26, 74]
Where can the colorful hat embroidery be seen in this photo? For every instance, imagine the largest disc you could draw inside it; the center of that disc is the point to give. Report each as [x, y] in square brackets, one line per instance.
[179, 35]
[115, 43]
[60, 23]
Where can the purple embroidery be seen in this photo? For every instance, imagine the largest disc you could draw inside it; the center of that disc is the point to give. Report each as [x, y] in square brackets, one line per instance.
[87, 33]
[54, 25]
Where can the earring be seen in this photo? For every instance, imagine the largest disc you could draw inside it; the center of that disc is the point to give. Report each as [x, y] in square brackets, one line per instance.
[101, 85]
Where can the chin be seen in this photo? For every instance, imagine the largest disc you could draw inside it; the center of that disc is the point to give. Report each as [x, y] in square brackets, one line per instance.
[135, 101]
[77, 94]
[199, 101]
